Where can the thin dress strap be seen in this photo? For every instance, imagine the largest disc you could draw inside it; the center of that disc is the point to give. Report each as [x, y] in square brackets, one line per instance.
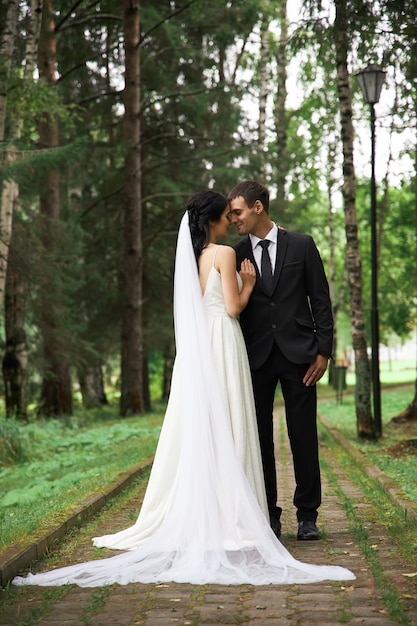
[214, 255]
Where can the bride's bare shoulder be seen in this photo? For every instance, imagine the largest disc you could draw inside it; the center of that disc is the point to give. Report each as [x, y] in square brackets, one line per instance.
[226, 251]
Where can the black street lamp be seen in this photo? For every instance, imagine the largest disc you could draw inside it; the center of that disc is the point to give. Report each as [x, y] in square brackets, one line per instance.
[371, 80]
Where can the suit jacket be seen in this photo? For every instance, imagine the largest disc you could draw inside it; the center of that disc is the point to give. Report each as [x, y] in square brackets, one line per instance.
[297, 314]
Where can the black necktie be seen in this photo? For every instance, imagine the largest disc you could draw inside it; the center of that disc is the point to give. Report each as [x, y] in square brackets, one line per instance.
[266, 269]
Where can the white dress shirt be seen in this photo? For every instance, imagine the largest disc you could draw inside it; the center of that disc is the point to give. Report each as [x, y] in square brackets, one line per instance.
[272, 236]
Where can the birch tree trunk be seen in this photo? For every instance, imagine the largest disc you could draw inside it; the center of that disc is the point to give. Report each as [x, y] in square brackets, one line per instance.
[132, 400]
[263, 91]
[281, 116]
[56, 395]
[365, 425]
[332, 250]
[9, 198]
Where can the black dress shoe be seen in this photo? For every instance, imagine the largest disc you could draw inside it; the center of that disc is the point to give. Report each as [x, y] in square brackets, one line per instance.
[307, 531]
[276, 526]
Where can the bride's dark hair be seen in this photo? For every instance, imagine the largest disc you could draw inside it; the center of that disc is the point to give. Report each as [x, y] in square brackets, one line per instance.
[204, 207]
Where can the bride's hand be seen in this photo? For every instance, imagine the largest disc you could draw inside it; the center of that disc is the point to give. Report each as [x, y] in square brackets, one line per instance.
[248, 273]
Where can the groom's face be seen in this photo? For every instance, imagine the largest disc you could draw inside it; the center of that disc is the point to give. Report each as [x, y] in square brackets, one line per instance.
[244, 218]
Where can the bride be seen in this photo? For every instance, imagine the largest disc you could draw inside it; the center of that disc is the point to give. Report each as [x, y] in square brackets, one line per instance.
[204, 518]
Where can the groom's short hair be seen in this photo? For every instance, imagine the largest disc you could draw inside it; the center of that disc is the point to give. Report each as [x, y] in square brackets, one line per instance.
[251, 191]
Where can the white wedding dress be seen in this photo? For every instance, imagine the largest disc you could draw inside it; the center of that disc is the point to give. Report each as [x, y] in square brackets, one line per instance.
[204, 517]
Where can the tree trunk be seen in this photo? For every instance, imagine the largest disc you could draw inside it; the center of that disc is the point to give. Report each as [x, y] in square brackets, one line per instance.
[9, 198]
[263, 91]
[15, 357]
[56, 395]
[32, 38]
[7, 41]
[365, 425]
[92, 387]
[9, 191]
[332, 250]
[281, 115]
[169, 356]
[410, 413]
[132, 401]
[146, 389]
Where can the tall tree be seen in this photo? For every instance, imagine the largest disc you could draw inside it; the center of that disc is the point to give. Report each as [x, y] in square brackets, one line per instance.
[365, 425]
[132, 400]
[280, 111]
[263, 90]
[16, 355]
[56, 393]
[8, 187]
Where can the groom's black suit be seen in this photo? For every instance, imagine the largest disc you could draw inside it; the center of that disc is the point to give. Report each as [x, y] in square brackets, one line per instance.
[284, 330]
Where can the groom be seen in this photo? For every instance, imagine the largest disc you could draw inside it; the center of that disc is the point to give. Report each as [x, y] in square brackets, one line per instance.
[288, 330]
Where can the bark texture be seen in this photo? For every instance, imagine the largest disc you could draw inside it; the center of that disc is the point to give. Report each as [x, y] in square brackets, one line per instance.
[132, 400]
[365, 425]
[56, 393]
[281, 114]
[9, 190]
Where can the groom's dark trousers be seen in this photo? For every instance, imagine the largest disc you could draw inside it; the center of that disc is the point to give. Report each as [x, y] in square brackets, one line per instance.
[284, 330]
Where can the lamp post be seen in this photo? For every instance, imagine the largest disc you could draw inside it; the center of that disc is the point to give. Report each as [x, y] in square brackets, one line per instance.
[371, 80]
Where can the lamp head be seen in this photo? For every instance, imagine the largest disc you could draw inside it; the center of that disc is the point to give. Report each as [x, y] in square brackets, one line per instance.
[370, 81]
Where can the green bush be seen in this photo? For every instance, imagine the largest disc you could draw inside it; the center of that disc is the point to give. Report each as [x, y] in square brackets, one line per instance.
[13, 443]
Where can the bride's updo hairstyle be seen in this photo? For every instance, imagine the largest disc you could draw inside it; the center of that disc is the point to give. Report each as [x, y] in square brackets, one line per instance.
[204, 207]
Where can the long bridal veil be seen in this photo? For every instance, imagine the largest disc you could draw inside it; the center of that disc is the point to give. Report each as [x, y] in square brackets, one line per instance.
[209, 527]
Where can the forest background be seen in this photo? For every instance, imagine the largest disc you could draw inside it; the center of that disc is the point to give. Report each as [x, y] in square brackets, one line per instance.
[113, 113]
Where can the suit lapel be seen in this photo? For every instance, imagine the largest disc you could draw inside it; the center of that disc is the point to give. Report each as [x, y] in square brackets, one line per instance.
[282, 242]
[248, 252]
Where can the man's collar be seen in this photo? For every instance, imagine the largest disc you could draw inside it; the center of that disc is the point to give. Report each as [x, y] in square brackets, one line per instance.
[272, 236]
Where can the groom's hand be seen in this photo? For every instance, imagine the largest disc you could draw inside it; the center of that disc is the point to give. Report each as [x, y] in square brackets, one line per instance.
[316, 370]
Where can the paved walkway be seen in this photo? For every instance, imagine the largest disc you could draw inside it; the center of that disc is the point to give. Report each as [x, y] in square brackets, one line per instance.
[324, 604]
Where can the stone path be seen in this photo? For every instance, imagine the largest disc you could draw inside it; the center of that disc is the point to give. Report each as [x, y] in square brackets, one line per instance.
[327, 603]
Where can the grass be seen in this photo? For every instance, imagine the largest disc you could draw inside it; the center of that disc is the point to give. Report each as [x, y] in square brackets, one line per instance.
[401, 535]
[67, 461]
[394, 372]
[385, 453]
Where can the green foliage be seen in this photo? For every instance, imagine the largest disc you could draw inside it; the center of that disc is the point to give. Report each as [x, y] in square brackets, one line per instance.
[397, 270]
[69, 461]
[14, 446]
[27, 164]
[28, 100]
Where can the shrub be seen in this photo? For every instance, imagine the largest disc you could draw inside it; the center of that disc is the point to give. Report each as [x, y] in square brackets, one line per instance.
[13, 442]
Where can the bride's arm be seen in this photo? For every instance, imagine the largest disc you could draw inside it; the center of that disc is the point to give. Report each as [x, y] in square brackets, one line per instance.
[235, 301]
